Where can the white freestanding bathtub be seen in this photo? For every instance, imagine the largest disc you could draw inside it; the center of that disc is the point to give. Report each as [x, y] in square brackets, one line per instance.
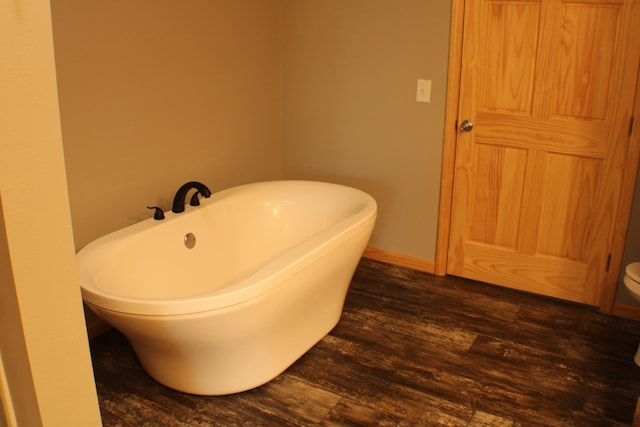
[265, 281]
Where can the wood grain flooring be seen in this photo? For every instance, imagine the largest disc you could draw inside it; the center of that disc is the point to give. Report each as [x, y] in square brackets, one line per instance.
[413, 349]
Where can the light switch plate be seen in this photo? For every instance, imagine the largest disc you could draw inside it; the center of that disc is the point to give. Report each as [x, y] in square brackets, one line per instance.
[423, 94]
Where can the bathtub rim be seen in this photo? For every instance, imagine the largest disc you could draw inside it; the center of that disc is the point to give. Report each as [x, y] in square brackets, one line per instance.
[257, 283]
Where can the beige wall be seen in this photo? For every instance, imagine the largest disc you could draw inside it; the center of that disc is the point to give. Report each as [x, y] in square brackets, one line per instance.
[155, 93]
[350, 113]
[45, 367]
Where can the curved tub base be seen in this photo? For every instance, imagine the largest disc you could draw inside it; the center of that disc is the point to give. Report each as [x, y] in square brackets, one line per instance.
[247, 345]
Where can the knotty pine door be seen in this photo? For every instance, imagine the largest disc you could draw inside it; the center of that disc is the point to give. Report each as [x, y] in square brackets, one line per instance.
[549, 86]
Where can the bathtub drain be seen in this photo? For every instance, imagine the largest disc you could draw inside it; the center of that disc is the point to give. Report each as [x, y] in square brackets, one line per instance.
[189, 240]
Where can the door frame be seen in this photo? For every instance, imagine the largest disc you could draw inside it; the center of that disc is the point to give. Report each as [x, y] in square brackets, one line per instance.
[449, 156]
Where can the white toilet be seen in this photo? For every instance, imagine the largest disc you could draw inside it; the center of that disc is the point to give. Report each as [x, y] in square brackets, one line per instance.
[632, 283]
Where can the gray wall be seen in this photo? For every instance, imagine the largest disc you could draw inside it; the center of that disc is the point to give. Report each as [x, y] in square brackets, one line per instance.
[155, 93]
[350, 111]
[631, 247]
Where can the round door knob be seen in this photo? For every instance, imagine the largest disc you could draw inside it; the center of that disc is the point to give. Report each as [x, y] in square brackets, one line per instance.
[466, 126]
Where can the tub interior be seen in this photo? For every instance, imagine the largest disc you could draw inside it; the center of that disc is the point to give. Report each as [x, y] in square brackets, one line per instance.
[237, 231]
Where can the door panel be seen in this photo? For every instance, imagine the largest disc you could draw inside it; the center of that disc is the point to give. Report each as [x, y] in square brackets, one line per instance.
[508, 76]
[569, 189]
[549, 85]
[499, 176]
[587, 43]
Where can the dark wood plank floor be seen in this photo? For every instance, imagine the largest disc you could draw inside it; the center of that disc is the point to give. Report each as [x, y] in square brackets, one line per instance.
[414, 349]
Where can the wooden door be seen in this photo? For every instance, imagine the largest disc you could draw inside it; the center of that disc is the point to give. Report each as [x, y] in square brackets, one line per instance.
[549, 86]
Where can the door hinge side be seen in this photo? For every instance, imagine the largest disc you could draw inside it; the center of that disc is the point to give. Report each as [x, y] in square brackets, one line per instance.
[608, 262]
[631, 125]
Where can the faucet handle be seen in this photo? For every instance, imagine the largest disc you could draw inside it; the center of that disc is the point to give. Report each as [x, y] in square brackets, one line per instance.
[194, 199]
[158, 214]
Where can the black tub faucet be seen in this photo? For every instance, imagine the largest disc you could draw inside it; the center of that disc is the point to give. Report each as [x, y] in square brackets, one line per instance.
[181, 195]
[158, 214]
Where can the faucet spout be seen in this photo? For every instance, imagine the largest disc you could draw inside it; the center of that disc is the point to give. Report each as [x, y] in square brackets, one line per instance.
[181, 194]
